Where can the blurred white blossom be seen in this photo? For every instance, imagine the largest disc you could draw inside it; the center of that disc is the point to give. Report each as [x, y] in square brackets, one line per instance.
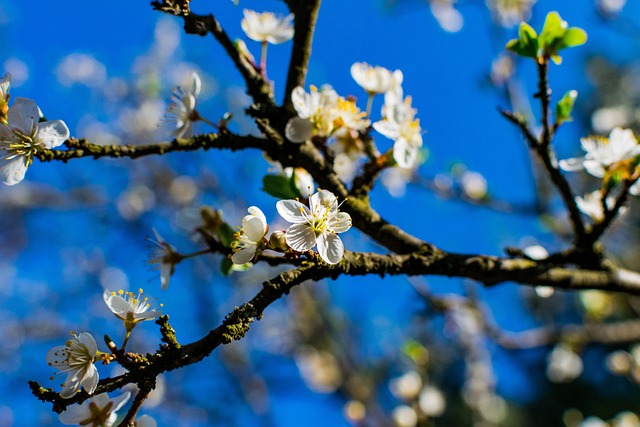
[267, 27]
[563, 365]
[99, 411]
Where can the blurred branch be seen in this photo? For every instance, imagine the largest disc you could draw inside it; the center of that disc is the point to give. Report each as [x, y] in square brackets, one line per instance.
[488, 201]
[259, 89]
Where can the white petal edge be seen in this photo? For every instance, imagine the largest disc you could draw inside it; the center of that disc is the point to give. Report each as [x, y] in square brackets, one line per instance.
[243, 256]
[291, 210]
[300, 237]
[330, 248]
[52, 134]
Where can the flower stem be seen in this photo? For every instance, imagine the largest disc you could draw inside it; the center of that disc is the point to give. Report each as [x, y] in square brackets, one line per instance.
[202, 119]
[369, 104]
[263, 59]
[126, 339]
[202, 252]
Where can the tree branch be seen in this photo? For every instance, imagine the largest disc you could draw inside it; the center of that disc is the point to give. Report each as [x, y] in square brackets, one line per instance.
[306, 15]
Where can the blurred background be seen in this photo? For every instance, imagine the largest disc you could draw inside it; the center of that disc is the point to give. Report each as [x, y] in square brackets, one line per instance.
[358, 351]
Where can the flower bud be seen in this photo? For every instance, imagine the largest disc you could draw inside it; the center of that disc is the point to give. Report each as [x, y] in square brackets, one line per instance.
[278, 241]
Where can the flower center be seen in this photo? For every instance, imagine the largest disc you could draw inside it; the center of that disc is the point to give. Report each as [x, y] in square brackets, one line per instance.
[23, 145]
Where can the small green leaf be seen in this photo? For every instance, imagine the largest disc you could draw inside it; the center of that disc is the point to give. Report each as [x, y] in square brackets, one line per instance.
[526, 32]
[574, 36]
[557, 59]
[226, 266]
[279, 186]
[527, 43]
[564, 107]
[554, 28]
[226, 234]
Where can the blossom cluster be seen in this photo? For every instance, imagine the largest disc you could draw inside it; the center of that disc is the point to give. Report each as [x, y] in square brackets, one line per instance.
[23, 134]
[613, 159]
[77, 358]
[316, 225]
[322, 113]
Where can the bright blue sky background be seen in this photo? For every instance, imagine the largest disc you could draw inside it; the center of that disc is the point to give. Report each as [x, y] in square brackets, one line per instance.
[43, 286]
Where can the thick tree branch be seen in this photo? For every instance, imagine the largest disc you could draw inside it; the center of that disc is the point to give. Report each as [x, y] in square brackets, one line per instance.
[306, 15]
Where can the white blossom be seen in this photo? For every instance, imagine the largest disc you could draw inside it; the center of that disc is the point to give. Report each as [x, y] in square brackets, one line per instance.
[164, 257]
[316, 113]
[267, 27]
[250, 237]
[564, 364]
[591, 205]
[23, 137]
[318, 225]
[76, 358]
[130, 307]
[407, 386]
[602, 153]
[432, 401]
[400, 125]
[99, 411]
[375, 80]
[302, 179]
[323, 112]
[183, 108]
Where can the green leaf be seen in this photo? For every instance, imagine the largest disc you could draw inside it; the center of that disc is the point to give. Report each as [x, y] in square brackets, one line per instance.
[527, 43]
[554, 28]
[564, 107]
[226, 266]
[557, 59]
[226, 234]
[574, 36]
[526, 32]
[279, 186]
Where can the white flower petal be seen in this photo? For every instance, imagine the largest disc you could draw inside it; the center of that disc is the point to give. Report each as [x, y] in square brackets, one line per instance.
[12, 171]
[70, 388]
[74, 414]
[244, 256]
[389, 129]
[340, 223]
[404, 153]
[166, 271]
[300, 100]
[594, 168]
[254, 228]
[572, 164]
[117, 304]
[52, 134]
[118, 402]
[57, 356]
[330, 248]
[88, 341]
[195, 85]
[90, 380]
[254, 210]
[301, 237]
[298, 130]
[293, 211]
[24, 115]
